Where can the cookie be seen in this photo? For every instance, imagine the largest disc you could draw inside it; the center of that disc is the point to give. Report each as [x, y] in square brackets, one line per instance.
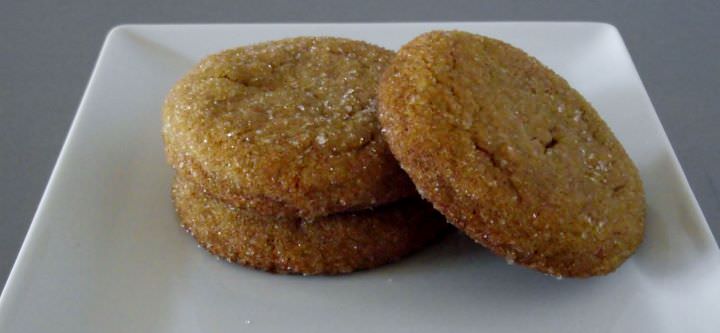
[286, 128]
[511, 154]
[336, 244]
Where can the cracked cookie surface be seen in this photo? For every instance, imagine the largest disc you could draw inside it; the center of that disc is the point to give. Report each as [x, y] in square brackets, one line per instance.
[286, 128]
[511, 154]
[336, 244]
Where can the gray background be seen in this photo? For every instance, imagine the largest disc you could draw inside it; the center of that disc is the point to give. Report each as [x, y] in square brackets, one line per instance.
[48, 48]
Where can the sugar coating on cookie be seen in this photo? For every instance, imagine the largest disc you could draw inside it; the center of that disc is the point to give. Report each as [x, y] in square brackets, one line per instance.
[511, 154]
[335, 244]
[286, 127]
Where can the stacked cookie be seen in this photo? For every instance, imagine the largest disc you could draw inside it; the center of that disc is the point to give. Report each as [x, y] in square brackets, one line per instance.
[280, 164]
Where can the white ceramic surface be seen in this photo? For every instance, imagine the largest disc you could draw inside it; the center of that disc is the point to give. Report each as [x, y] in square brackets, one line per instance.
[104, 252]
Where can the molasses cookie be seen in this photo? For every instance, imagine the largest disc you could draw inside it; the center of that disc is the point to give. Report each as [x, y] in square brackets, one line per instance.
[339, 243]
[286, 128]
[511, 154]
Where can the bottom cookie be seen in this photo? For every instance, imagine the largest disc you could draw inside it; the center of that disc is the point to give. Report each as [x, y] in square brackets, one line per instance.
[336, 244]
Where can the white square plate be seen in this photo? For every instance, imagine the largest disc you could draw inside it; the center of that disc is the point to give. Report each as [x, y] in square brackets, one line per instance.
[105, 253]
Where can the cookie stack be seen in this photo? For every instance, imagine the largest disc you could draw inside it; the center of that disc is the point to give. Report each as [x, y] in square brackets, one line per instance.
[280, 164]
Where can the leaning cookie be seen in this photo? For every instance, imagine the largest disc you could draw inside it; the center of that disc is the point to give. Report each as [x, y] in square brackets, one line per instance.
[336, 244]
[286, 127]
[511, 154]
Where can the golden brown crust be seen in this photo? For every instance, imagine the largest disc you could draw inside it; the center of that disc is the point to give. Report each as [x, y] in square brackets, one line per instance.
[286, 127]
[335, 244]
[511, 154]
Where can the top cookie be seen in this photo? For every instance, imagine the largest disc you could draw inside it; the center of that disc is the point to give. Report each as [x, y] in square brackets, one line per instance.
[511, 154]
[287, 127]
